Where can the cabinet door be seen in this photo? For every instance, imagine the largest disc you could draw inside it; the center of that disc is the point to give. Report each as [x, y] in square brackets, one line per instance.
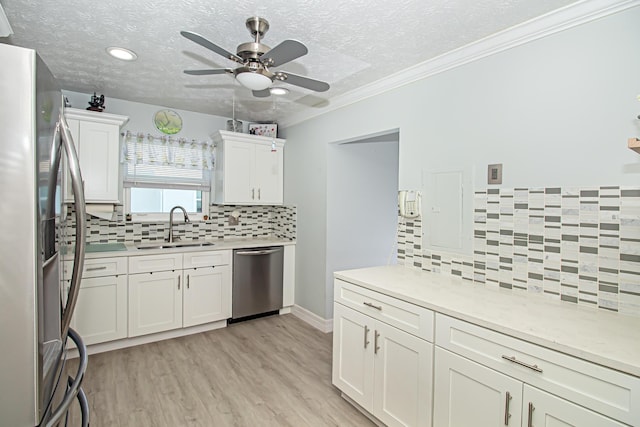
[207, 295]
[546, 410]
[352, 370]
[101, 310]
[239, 163]
[268, 179]
[469, 394]
[98, 154]
[402, 377]
[155, 302]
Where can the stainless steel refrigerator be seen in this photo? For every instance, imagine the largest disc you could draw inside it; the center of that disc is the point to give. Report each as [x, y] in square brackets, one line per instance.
[34, 314]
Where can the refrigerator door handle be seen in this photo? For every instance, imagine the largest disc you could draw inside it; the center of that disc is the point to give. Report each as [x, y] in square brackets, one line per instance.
[81, 219]
[74, 390]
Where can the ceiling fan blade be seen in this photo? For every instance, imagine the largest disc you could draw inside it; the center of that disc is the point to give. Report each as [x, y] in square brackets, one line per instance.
[305, 82]
[197, 38]
[286, 51]
[265, 93]
[208, 72]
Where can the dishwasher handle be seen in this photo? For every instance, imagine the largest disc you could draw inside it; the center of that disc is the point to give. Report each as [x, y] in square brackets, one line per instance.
[260, 252]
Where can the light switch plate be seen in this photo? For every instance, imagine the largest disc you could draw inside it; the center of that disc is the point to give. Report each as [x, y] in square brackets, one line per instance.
[494, 174]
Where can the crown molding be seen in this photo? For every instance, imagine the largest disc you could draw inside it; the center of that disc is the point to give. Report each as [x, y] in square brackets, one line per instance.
[553, 22]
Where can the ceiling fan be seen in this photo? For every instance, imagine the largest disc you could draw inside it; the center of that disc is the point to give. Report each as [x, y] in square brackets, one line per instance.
[257, 59]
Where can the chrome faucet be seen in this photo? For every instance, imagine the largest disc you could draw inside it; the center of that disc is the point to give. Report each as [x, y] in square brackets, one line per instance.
[186, 220]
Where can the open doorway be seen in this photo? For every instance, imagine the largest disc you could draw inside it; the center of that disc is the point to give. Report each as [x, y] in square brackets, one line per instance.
[362, 197]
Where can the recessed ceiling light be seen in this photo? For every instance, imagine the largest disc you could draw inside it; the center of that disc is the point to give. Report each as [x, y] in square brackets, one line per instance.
[279, 91]
[122, 53]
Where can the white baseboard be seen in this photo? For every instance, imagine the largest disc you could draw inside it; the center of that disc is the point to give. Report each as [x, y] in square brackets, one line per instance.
[325, 325]
[145, 339]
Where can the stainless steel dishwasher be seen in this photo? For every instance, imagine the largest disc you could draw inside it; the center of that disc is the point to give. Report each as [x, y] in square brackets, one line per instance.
[257, 282]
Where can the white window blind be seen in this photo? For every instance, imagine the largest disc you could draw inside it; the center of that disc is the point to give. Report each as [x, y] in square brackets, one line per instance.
[167, 162]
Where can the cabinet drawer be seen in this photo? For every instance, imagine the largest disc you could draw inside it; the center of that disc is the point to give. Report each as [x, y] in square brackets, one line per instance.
[154, 263]
[97, 267]
[206, 259]
[408, 317]
[601, 389]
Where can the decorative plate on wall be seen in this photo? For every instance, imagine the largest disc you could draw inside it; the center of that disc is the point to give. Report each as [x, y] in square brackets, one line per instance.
[168, 122]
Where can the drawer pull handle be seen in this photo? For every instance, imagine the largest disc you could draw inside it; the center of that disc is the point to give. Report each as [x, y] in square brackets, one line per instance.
[376, 347]
[178, 282]
[507, 415]
[530, 415]
[377, 307]
[366, 336]
[521, 363]
[104, 267]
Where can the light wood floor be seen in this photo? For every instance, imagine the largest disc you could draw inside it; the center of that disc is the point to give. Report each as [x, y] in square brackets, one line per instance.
[274, 371]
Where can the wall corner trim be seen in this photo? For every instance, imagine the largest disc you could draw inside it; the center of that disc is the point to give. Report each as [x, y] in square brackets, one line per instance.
[324, 325]
[553, 22]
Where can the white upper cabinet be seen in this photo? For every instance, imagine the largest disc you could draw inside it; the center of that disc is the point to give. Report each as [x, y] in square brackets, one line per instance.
[249, 169]
[97, 139]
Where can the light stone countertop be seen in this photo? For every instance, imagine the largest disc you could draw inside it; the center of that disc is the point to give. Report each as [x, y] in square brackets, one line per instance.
[599, 336]
[218, 245]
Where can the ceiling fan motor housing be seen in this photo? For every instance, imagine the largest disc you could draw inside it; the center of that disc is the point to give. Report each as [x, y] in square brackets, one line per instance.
[252, 50]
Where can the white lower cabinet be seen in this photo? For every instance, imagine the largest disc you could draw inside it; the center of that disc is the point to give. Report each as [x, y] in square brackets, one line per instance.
[469, 394]
[497, 380]
[101, 308]
[155, 302]
[383, 369]
[206, 296]
[546, 410]
[196, 290]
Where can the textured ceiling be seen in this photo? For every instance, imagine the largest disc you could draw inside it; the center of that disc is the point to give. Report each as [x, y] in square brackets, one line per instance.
[350, 43]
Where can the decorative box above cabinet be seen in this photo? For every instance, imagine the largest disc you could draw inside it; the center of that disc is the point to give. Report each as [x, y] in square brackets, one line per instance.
[97, 139]
[248, 170]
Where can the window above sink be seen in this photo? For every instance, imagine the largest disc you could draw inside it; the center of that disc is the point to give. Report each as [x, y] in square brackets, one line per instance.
[162, 172]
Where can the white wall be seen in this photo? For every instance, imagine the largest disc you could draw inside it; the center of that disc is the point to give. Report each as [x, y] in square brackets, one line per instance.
[194, 125]
[556, 111]
[362, 188]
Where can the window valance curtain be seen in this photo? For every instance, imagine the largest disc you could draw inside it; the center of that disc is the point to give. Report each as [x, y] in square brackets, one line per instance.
[166, 161]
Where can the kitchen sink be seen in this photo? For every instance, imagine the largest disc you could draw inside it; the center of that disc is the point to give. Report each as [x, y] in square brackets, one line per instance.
[167, 245]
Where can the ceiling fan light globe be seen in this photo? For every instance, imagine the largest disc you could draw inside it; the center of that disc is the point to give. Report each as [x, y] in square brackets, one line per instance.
[279, 90]
[254, 81]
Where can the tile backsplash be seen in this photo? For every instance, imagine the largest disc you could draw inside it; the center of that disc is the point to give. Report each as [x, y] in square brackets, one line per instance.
[254, 221]
[579, 245]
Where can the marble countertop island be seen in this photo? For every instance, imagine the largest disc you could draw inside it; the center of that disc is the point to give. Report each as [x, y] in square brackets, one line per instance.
[599, 336]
